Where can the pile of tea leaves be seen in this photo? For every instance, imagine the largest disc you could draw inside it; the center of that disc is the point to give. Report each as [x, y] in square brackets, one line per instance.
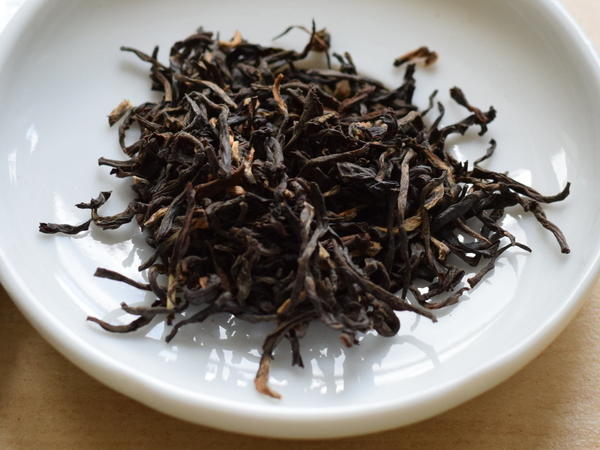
[288, 195]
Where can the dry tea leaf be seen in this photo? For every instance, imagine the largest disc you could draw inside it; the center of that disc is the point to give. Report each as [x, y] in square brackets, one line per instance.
[289, 195]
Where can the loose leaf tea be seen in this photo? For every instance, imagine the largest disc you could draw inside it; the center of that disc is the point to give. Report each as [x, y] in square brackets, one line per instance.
[287, 195]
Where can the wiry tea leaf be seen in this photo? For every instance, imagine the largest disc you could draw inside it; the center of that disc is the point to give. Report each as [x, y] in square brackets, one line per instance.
[287, 195]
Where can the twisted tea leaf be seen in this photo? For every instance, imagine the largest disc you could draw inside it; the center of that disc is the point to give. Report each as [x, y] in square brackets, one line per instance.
[291, 195]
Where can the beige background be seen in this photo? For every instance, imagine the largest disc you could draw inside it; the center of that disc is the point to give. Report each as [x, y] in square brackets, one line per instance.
[46, 402]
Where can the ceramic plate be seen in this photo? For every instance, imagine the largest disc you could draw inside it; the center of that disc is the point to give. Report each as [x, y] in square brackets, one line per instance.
[61, 72]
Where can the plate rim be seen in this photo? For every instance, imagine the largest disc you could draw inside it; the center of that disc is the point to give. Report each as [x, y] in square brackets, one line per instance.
[276, 420]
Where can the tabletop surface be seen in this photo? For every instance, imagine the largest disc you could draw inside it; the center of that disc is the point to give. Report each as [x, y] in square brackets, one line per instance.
[46, 402]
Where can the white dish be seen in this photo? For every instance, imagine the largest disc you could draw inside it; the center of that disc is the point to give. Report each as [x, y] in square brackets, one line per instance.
[61, 73]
